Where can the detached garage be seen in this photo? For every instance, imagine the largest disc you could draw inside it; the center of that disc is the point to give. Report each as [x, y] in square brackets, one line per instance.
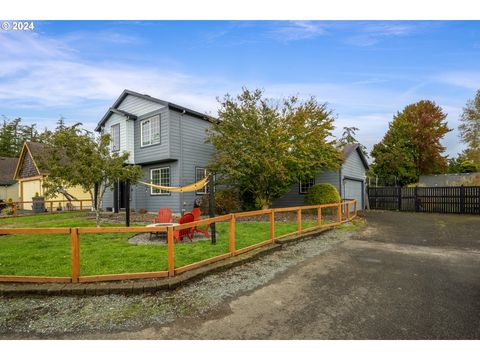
[30, 176]
[353, 173]
[349, 180]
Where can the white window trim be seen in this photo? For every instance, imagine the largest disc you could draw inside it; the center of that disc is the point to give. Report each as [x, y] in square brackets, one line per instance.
[159, 128]
[202, 191]
[113, 137]
[168, 193]
[300, 186]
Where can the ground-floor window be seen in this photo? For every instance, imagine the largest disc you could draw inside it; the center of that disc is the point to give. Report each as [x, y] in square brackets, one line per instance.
[201, 173]
[160, 176]
[304, 186]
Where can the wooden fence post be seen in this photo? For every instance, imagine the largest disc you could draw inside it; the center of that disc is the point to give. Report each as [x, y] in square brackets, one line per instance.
[51, 206]
[75, 254]
[231, 240]
[81, 205]
[272, 225]
[299, 221]
[171, 254]
[339, 213]
[319, 215]
[348, 211]
[355, 208]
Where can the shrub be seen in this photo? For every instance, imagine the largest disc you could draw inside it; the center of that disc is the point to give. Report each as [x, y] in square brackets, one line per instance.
[322, 194]
[226, 201]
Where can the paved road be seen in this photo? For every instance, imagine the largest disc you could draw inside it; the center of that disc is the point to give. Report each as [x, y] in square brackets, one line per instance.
[404, 276]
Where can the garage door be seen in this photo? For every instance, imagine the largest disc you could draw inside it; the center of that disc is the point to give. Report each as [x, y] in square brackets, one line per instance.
[354, 190]
[29, 190]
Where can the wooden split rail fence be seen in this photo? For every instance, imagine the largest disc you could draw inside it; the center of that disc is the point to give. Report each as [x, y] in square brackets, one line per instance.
[345, 211]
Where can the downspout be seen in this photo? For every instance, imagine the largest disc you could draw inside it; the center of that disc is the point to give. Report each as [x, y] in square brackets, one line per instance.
[340, 183]
[181, 197]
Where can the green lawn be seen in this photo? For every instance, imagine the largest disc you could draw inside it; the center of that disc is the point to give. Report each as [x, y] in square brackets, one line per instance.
[50, 255]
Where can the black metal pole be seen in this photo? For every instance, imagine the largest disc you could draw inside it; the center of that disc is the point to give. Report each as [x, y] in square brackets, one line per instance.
[95, 196]
[127, 203]
[116, 200]
[211, 206]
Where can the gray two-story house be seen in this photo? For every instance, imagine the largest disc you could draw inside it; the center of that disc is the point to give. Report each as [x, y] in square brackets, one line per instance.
[168, 142]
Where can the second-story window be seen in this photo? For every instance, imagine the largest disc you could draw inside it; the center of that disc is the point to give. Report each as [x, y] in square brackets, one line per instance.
[115, 133]
[150, 131]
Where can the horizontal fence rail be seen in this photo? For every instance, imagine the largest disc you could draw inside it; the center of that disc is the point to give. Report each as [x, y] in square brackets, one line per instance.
[343, 212]
[445, 199]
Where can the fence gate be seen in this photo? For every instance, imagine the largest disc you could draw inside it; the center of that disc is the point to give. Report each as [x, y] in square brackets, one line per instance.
[447, 199]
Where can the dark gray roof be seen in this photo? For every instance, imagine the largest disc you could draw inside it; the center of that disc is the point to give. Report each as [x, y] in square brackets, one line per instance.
[170, 105]
[350, 148]
[7, 170]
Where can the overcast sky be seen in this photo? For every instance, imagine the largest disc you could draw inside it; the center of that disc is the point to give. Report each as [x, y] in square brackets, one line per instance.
[365, 70]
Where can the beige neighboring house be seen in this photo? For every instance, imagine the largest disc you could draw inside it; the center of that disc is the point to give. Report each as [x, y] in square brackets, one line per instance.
[30, 177]
[8, 186]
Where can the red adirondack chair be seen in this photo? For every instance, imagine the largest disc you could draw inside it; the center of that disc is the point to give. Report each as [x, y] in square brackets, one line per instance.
[164, 216]
[196, 214]
[180, 234]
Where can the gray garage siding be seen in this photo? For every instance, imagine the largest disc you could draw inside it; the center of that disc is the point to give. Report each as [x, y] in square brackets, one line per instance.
[293, 196]
[353, 168]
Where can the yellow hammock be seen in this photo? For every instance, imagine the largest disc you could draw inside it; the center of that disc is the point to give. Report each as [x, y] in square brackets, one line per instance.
[187, 188]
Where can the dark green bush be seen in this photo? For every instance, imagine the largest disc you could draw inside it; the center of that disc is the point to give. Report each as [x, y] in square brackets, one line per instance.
[322, 194]
[226, 201]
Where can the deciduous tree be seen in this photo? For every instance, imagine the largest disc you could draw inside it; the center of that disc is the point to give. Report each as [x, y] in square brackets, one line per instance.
[263, 147]
[411, 146]
[74, 157]
[470, 129]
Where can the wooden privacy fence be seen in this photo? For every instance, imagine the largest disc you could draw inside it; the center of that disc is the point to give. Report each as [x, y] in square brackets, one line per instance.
[51, 205]
[344, 211]
[447, 199]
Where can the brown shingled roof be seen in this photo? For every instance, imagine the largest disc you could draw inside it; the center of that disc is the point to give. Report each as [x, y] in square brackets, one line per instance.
[37, 150]
[7, 170]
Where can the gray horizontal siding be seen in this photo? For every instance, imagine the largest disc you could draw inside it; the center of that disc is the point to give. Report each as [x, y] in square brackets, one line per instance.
[187, 143]
[107, 199]
[355, 169]
[293, 197]
[138, 106]
[143, 198]
[329, 177]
